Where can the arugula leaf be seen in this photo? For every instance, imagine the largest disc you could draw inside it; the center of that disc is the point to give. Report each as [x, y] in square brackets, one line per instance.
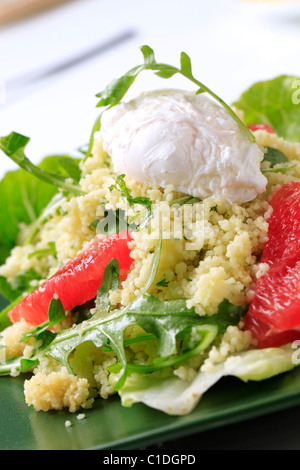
[47, 212]
[21, 284]
[13, 145]
[110, 281]
[116, 221]
[56, 314]
[22, 198]
[272, 102]
[163, 282]
[117, 89]
[4, 320]
[71, 167]
[120, 186]
[167, 321]
[14, 364]
[278, 170]
[274, 156]
[45, 251]
[41, 333]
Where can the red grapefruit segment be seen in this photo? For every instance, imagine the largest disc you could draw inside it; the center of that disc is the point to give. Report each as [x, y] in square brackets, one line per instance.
[274, 313]
[77, 281]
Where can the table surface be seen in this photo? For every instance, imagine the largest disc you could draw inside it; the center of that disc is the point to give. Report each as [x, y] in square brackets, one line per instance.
[47, 92]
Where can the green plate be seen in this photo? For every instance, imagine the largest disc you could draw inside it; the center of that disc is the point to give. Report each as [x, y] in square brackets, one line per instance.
[110, 426]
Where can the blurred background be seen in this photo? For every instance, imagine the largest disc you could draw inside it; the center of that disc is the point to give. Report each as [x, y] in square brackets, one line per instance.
[55, 55]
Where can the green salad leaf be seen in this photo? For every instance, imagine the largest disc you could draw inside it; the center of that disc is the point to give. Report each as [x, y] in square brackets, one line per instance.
[56, 314]
[110, 281]
[4, 320]
[21, 284]
[118, 88]
[25, 197]
[164, 322]
[13, 145]
[274, 156]
[120, 186]
[42, 333]
[274, 102]
[179, 397]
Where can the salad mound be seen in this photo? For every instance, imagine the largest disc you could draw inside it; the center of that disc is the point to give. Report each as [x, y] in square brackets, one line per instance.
[161, 327]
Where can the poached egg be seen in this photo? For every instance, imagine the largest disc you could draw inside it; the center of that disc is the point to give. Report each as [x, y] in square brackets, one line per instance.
[172, 137]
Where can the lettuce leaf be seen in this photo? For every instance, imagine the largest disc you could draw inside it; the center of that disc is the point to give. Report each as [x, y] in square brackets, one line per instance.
[274, 102]
[23, 198]
[178, 397]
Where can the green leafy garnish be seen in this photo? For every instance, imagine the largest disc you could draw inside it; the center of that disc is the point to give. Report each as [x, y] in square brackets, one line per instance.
[13, 145]
[22, 283]
[56, 314]
[167, 322]
[117, 89]
[15, 291]
[115, 221]
[4, 320]
[45, 251]
[163, 282]
[274, 156]
[49, 211]
[110, 281]
[278, 170]
[120, 186]
[272, 102]
[28, 199]
[70, 167]
[44, 337]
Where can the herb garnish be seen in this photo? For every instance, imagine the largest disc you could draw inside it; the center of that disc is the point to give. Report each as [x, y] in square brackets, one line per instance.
[120, 186]
[274, 157]
[117, 89]
[50, 251]
[13, 145]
